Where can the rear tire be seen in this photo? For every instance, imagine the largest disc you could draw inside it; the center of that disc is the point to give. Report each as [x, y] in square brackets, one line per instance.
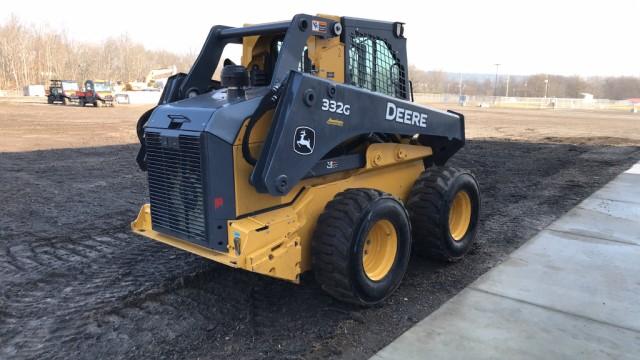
[361, 246]
[444, 206]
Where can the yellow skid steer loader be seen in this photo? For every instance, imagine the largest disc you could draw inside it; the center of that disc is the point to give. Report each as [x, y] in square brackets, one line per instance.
[309, 155]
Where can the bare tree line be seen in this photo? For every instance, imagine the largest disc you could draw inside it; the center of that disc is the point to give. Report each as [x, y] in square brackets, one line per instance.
[33, 55]
[615, 88]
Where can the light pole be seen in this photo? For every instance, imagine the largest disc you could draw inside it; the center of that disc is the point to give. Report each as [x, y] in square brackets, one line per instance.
[546, 87]
[506, 93]
[495, 84]
[461, 100]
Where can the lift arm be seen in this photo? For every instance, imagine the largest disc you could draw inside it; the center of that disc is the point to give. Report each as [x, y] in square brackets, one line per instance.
[315, 115]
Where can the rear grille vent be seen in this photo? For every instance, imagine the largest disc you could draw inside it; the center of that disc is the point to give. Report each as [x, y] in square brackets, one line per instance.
[175, 185]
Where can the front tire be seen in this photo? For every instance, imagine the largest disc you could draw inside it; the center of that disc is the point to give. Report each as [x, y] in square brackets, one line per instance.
[361, 246]
[444, 206]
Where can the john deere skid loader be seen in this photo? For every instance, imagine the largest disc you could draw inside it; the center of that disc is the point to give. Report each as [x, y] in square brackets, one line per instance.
[309, 155]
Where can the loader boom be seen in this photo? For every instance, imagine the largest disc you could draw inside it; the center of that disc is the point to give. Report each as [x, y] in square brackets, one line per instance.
[331, 114]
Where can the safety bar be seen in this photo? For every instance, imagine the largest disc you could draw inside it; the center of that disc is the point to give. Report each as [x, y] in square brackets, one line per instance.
[262, 29]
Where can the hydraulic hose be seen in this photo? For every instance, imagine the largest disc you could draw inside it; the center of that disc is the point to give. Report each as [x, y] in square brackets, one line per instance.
[268, 102]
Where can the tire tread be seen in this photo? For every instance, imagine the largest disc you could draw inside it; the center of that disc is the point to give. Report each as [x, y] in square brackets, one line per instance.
[426, 204]
[331, 241]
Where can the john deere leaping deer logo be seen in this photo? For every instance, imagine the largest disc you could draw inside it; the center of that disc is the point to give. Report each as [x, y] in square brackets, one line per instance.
[304, 140]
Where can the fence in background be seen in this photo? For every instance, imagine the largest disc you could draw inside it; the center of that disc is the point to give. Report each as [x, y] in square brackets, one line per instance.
[152, 97]
[526, 102]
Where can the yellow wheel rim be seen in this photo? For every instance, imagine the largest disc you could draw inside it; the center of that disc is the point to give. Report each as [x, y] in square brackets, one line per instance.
[379, 251]
[460, 215]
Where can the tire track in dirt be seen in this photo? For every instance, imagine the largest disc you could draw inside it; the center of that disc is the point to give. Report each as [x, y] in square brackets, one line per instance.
[31, 257]
[62, 288]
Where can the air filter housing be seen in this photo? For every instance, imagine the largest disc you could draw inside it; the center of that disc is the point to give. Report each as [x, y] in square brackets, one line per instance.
[235, 78]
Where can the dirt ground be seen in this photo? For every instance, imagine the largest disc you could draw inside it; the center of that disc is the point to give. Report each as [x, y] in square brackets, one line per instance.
[75, 283]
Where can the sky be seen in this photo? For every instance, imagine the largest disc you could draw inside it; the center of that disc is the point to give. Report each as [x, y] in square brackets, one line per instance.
[566, 37]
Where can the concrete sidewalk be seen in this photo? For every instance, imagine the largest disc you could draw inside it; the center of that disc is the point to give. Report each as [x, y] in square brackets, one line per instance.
[571, 292]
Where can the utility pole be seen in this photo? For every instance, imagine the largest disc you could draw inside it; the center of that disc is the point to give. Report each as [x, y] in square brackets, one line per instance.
[546, 86]
[495, 84]
[506, 93]
[460, 85]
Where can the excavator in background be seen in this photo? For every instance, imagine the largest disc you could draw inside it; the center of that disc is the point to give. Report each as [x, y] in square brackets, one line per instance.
[155, 79]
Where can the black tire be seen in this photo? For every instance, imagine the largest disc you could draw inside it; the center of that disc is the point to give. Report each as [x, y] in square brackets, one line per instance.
[50, 99]
[339, 240]
[429, 206]
[81, 102]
